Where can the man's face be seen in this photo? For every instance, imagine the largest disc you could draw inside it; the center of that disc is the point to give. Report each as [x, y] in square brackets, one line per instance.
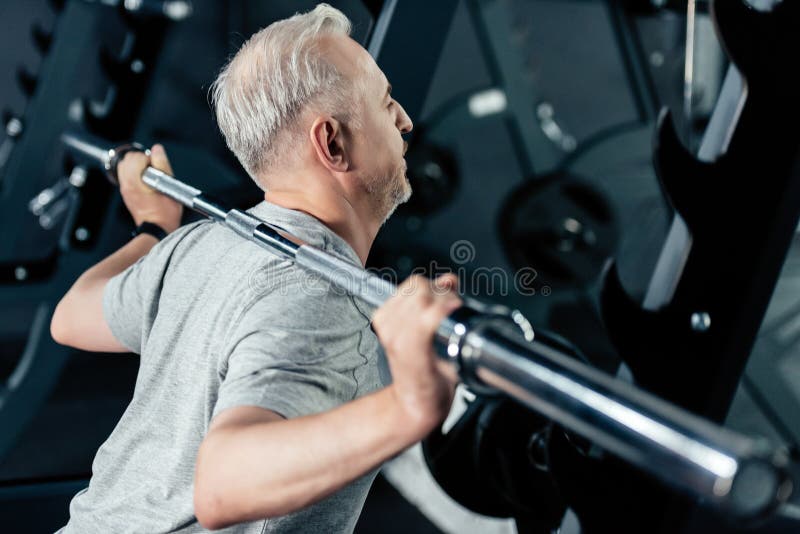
[378, 146]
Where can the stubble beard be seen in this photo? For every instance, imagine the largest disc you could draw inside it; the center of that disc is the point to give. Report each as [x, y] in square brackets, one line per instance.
[389, 191]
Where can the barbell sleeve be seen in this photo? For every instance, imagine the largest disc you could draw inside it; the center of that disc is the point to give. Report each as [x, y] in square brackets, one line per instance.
[740, 474]
[496, 350]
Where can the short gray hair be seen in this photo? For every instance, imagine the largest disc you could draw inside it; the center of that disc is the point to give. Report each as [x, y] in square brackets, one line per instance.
[259, 95]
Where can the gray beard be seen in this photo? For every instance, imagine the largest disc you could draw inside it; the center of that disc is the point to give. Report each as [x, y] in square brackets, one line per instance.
[389, 191]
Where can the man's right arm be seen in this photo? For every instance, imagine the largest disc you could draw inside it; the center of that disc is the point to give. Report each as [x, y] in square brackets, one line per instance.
[255, 464]
[78, 320]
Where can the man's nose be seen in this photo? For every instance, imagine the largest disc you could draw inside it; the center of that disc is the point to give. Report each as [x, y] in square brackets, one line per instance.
[404, 123]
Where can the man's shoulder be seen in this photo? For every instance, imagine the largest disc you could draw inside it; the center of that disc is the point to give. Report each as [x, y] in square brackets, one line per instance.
[283, 289]
[294, 312]
[267, 286]
[207, 244]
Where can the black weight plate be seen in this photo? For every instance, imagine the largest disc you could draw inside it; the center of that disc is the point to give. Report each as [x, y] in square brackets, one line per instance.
[560, 225]
[510, 450]
[450, 459]
[433, 175]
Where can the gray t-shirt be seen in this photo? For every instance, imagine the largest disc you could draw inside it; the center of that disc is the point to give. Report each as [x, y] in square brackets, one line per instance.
[220, 322]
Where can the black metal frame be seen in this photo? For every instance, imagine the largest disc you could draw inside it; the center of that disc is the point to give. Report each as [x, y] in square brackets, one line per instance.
[406, 45]
[741, 210]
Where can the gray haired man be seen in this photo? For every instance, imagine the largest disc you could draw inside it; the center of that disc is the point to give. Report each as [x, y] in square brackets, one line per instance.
[258, 407]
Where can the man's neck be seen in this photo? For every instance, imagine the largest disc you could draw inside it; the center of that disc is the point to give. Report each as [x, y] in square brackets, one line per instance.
[349, 221]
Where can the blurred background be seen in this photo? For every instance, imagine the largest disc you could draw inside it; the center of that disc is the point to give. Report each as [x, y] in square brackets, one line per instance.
[532, 149]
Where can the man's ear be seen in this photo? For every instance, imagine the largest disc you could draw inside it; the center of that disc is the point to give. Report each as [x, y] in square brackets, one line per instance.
[327, 138]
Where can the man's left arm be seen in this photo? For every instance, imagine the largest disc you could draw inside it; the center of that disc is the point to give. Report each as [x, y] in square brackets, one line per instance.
[78, 320]
[290, 434]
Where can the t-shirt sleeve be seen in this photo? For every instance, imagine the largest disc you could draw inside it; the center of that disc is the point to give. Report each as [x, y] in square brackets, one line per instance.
[296, 351]
[130, 299]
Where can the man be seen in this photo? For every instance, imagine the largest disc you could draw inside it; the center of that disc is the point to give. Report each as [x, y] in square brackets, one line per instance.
[257, 405]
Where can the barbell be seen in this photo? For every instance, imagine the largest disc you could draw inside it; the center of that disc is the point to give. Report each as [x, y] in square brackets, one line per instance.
[495, 350]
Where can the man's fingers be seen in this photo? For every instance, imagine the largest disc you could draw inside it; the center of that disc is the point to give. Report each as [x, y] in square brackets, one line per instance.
[446, 281]
[133, 165]
[131, 168]
[448, 370]
[159, 160]
[134, 162]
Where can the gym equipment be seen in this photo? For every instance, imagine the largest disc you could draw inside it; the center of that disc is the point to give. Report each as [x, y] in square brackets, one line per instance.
[736, 207]
[562, 226]
[495, 350]
[494, 460]
[433, 175]
[518, 58]
[56, 218]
